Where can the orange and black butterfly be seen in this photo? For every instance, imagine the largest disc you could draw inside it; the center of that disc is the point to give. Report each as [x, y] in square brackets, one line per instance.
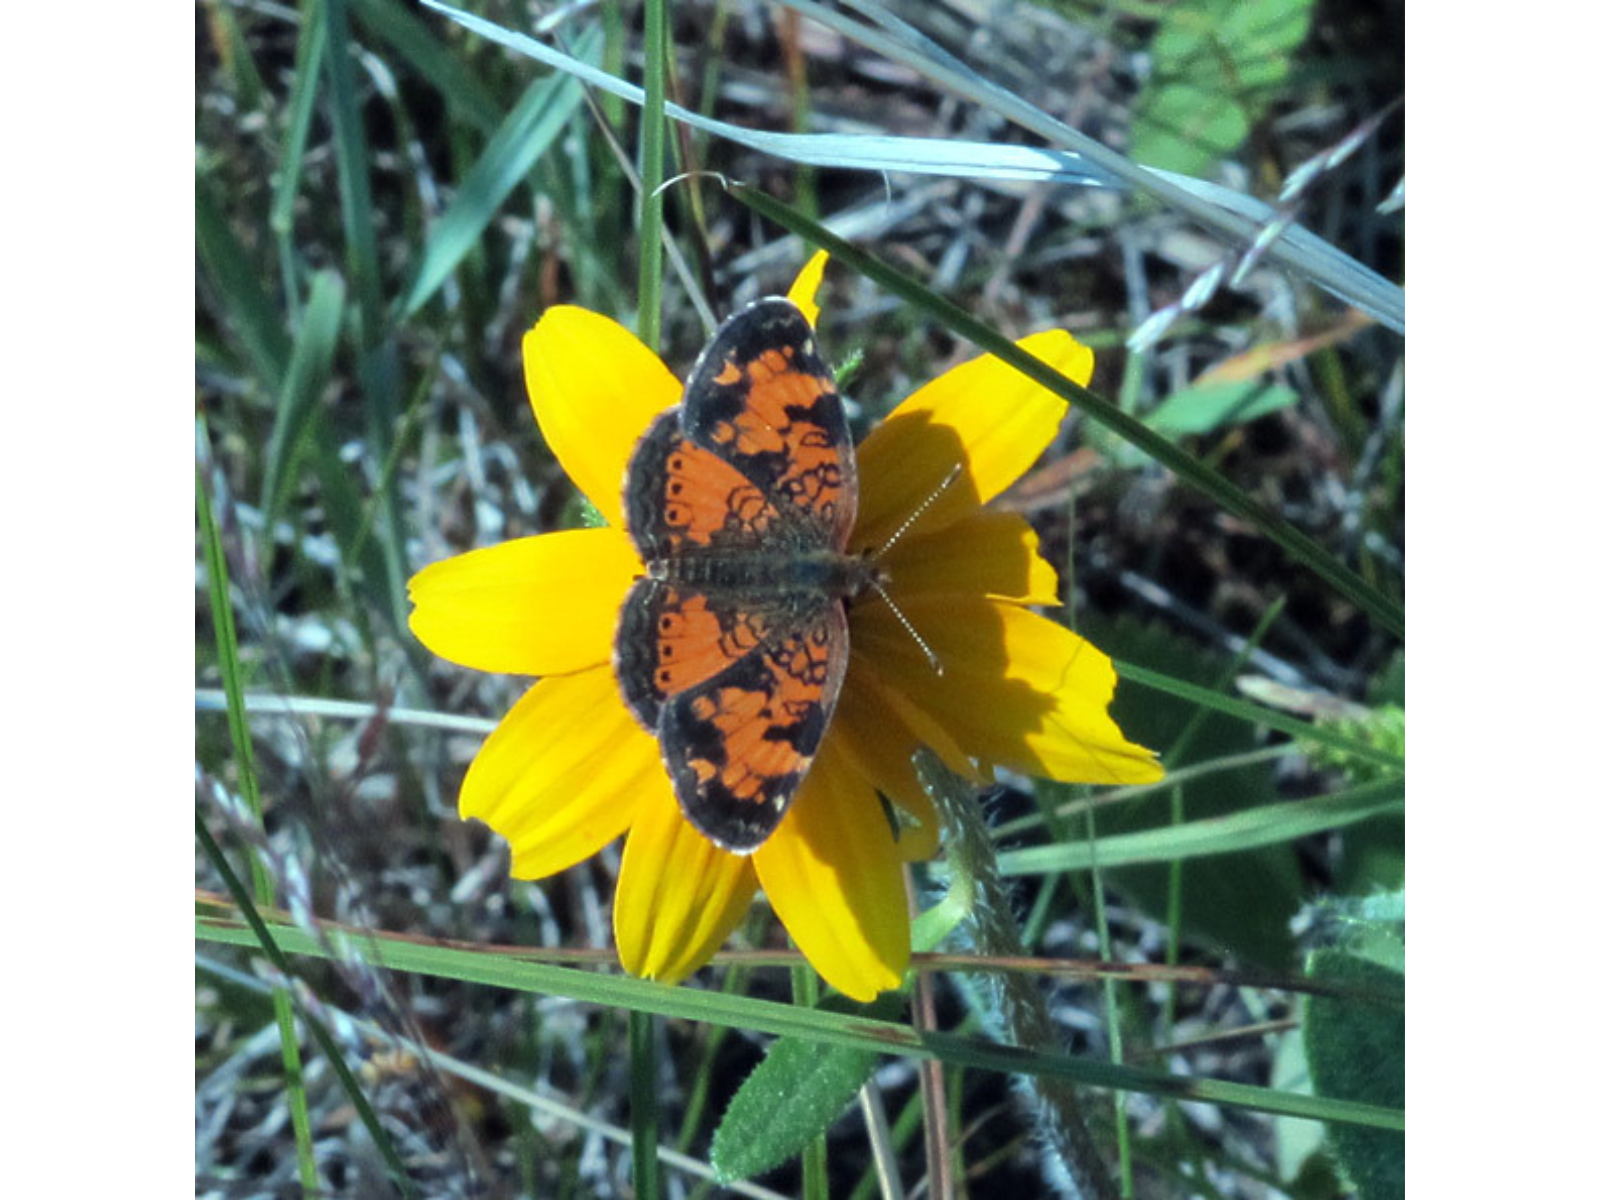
[740, 500]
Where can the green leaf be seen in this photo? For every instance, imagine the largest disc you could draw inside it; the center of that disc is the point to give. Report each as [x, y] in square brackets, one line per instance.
[1358, 1052]
[523, 137]
[1383, 728]
[351, 154]
[1210, 406]
[1372, 927]
[793, 1096]
[1215, 67]
[1297, 1142]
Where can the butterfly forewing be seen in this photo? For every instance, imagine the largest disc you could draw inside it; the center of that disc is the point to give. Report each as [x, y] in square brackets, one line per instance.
[762, 399]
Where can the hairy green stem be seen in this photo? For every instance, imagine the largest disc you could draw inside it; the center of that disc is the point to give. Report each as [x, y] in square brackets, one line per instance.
[1021, 1006]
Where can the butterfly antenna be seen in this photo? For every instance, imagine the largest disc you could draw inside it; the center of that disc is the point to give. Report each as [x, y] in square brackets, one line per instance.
[927, 650]
[944, 485]
[927, 502]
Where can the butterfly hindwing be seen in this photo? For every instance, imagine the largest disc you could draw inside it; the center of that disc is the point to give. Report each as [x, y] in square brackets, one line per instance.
[738, 745]
[671, 638]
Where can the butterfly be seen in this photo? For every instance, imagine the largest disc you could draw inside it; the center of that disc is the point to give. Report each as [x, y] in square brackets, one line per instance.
[731, 647]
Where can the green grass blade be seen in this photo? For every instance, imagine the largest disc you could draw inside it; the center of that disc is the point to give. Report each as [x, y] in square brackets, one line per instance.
[227, 643]
[264, 938]
[238, 728]
[1211, 406]
[641, 1024]
[432, 59]
[1201, 202]
[1111, 1008]
[527, 132]
[1221, 208]
[858, 152]
[378, 368]
[309, 369]
[1186, 467]
[1232, 215]
[234, 50]
[253, 318]
[309, 53]
[833, 1029]
[1266, 825]
[1257, 714]
[355, 184]
[652, 170]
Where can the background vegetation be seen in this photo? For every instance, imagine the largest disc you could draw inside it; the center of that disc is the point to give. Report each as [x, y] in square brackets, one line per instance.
[385, 202]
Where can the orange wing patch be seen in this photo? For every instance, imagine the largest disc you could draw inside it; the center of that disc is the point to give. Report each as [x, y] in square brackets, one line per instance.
[774, 392]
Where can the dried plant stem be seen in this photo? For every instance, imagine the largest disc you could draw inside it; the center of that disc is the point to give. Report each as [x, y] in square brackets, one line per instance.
[936, 1112]
[1021, 1007]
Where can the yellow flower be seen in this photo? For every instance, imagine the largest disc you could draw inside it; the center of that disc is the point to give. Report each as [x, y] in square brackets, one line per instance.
[569, 769]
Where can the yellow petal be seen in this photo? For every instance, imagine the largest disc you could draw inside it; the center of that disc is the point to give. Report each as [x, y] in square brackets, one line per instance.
[535, 606]
[563, 773]
[983, 416]
[594, 388]
[865, 679]
[985, 554]
[803, 292]
[833, 875]
[1017, 689]
[678, 896]
[878, 745]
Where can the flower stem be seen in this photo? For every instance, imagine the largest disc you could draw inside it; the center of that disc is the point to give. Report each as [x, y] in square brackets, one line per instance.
[1022, 1009]
[814, 1158]
[643, 1111]
[641, 1025]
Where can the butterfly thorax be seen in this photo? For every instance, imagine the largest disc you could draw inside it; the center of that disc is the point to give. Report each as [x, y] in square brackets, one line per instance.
[803, 576]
